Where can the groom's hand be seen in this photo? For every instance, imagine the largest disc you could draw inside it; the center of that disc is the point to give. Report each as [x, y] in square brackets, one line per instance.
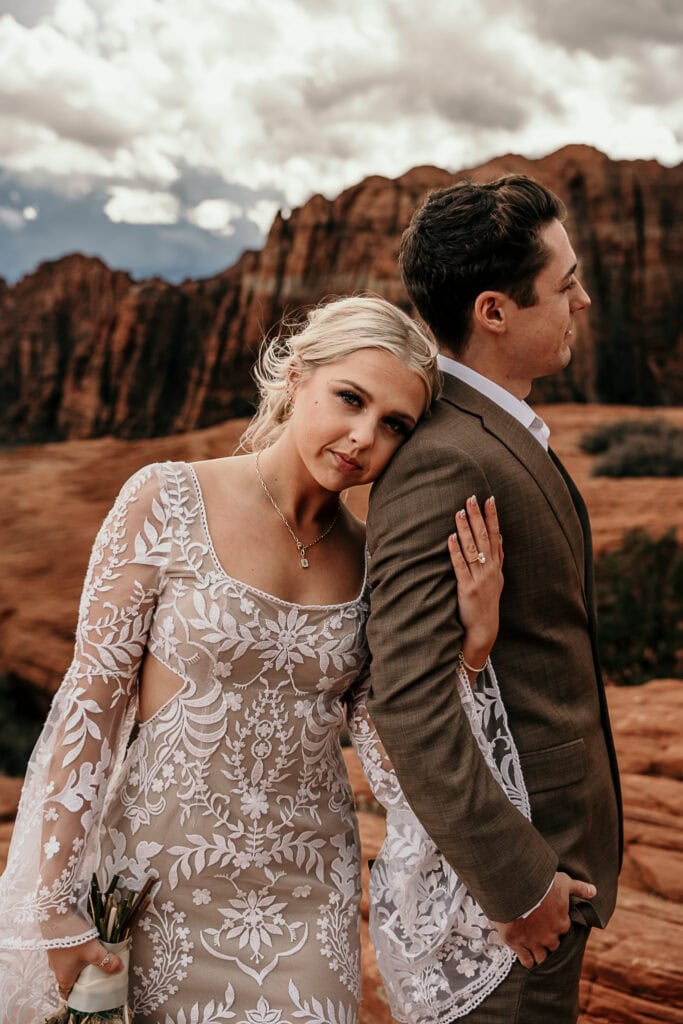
[532, 938]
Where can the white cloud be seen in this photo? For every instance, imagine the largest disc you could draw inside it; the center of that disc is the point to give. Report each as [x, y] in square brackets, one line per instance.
[11, 219]
[263, 213]
[28, 12]
[215, 215]
[75, 18]
[291, 97]
[29, 213]
[606, 28]
[137, 206]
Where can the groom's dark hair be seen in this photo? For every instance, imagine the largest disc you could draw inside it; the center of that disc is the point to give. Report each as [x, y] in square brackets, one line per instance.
[469, 238]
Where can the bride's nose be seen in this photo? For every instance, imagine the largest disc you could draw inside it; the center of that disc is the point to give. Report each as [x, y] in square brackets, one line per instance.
[362, 432]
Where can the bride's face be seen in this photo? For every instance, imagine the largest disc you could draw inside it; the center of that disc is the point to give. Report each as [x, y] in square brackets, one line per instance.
[349, 417]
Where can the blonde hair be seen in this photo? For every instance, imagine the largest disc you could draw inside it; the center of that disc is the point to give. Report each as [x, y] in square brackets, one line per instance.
[332, 331]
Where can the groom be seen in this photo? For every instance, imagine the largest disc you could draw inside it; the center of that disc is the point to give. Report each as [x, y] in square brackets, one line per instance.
[491, 270]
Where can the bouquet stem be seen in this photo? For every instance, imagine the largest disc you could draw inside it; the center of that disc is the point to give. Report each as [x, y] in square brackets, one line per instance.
[97, 996]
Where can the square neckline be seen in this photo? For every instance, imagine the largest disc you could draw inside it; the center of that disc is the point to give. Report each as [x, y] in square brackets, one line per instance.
[250, 587]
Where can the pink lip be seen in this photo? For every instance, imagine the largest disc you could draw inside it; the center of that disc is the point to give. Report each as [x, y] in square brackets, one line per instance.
[346, 463]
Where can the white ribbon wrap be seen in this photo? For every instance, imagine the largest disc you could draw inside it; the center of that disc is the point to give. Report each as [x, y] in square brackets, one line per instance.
[96, 990]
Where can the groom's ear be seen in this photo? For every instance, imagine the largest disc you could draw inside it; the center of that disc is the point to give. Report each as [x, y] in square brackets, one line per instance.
[489, 312]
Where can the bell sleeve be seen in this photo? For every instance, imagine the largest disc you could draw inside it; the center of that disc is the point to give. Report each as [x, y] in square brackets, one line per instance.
[73, 770]
[369, 748]
[437, 952]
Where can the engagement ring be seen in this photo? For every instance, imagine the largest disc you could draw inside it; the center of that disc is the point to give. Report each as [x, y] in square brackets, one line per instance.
[481, 557]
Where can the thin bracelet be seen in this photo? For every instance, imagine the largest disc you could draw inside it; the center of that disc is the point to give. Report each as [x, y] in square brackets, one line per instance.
[471, 668]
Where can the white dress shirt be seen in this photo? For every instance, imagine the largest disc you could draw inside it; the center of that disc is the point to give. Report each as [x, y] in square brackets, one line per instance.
[522, 412]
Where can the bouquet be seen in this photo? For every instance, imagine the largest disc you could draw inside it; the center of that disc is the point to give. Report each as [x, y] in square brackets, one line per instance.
[98, 997]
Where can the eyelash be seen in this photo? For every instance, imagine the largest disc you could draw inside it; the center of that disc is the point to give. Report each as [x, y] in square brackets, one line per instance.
[568, 287]
[399, 427]
[351, 398]
[396, 426]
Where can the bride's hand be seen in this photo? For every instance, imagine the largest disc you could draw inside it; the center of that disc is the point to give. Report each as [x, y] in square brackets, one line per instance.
[476, 550]
[67, 963]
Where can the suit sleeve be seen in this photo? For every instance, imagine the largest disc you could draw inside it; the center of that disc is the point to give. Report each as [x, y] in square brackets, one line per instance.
[415, 638]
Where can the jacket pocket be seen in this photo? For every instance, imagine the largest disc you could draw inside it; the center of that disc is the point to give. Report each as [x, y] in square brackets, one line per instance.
[554, 767]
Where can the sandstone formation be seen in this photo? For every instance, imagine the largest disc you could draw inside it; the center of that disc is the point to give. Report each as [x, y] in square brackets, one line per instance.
[85, 351]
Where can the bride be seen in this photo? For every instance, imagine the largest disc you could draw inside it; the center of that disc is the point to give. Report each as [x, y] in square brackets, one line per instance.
[195, 737]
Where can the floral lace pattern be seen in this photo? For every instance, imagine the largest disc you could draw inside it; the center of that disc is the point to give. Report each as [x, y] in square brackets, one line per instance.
[438, 954]
[234, 792]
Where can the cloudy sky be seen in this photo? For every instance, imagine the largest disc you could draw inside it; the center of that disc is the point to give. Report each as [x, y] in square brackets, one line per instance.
[163, 135]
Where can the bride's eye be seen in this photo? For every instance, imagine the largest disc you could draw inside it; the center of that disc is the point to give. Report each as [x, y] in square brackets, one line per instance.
[350, 398]
[398, 427]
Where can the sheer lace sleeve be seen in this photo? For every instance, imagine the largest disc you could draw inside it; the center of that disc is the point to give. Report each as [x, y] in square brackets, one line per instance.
[369, 748]
[438, 954]
[485, 712]
[73, 769]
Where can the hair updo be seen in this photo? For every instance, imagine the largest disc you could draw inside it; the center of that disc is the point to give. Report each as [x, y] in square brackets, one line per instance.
[330, 332]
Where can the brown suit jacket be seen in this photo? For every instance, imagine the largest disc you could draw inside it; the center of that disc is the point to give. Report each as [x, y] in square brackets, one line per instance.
[545, 659]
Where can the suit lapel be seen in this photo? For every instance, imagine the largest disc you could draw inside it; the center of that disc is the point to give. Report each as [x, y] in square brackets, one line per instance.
[526, 449]
[582, 513]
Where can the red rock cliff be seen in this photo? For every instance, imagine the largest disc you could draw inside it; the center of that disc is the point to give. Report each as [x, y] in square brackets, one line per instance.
[86, 351]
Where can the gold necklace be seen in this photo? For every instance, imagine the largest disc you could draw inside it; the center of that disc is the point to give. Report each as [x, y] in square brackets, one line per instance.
[301, 547]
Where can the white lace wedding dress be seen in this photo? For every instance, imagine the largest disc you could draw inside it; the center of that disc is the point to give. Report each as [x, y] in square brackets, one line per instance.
[234, 793]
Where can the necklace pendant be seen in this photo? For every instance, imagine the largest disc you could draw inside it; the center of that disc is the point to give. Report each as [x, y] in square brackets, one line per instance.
[301, 547]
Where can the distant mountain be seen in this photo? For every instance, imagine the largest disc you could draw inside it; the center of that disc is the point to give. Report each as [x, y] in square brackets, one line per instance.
[85, 351]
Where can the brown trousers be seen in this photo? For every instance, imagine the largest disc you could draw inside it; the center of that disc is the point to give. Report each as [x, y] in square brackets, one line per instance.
[546, 994]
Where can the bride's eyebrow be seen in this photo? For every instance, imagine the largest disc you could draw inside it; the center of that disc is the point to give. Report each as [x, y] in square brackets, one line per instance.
[357, 387]
[366, 394]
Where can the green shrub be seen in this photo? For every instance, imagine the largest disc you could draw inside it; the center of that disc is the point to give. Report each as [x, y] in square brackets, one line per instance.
[599, 439]
[22, 712]
[635, 448]
[643, 456]
[639, 594]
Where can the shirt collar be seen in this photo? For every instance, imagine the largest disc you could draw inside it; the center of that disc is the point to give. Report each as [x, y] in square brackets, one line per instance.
[522, 412]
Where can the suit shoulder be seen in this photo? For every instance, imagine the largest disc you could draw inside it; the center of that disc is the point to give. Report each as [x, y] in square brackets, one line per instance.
[446, 434]
[434, 464]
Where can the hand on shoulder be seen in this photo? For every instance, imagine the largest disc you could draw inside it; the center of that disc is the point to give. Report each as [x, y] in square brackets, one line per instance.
[476, 550]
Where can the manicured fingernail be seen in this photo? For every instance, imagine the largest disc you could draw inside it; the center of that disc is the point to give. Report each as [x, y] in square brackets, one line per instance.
[492, 500]
[452, 538]
[461, 513]
[473, 500]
